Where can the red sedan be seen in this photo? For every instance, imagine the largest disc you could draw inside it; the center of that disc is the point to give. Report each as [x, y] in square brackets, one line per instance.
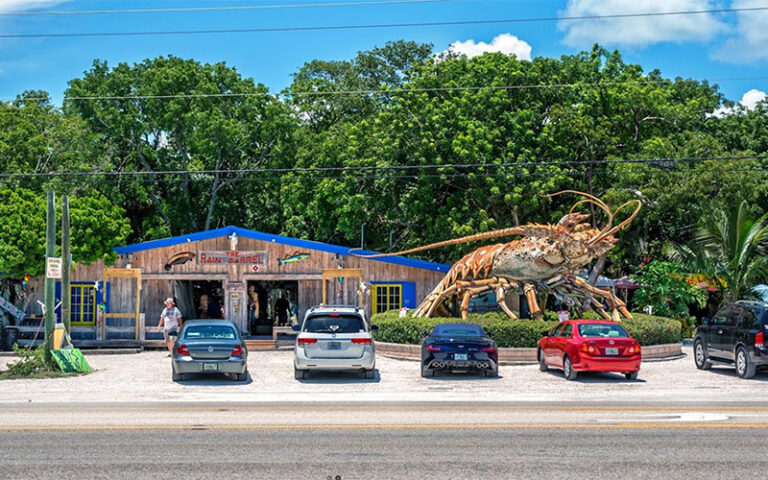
[589, 346]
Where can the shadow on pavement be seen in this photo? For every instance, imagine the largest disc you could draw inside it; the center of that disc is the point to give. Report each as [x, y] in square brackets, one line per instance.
[596, 377]
[212, 380]
[728, 371]
[334, 378]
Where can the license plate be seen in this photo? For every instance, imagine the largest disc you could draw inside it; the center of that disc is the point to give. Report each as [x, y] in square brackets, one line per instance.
[334, 346]
[210, 366]
[461, 357]
[611, 351]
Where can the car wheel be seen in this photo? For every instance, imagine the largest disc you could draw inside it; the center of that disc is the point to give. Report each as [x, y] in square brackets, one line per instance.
[568, 371]
[427, 372]
[299, 374]
[492, 373]
[369, 374]
[542, 364]
[177, 377]
[241, 377]
[631, 375]
[744, 366]
[700, 356]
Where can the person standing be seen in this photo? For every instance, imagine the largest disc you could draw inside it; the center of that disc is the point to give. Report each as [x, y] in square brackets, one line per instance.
[282, 310]
[170, 320]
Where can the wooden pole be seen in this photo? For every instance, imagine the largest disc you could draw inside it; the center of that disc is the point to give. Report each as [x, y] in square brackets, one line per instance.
[66, 296]
[50, 283]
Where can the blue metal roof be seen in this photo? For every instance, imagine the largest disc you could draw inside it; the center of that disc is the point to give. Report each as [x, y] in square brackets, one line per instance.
[268, 237]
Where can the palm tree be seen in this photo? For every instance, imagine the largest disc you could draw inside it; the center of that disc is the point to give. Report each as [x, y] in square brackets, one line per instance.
[730, 248]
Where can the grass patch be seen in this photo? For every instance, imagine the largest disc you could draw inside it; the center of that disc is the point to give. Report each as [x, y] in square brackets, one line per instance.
[32, 364]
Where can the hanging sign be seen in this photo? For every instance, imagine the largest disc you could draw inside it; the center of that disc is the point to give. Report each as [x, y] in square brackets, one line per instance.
[232, 258]
[53, 267]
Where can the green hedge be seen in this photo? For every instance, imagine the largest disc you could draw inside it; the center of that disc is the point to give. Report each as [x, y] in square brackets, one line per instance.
[516, 333]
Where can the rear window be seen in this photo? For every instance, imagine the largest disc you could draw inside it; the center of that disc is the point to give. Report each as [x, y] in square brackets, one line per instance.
[334, 323]
[210, 332]
[605, 330]
[458, 331]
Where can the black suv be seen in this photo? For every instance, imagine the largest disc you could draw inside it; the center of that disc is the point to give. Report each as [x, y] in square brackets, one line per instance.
[737, 334]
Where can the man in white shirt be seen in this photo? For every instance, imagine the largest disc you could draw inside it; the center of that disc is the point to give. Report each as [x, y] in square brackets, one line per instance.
[170, 320]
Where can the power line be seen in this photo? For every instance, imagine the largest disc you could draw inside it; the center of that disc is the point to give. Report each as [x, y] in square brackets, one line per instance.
[660, 162]
[220, 9]
[379, 91]
[378, 26]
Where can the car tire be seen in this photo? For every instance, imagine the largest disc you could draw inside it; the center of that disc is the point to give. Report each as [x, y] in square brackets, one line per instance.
[568, 371]
[631, 375]
[493, 372]
[700, 355]
[369, 374]
[745, 368]
[299, 374]
[177, 377]
[241, 377]
[426, 372]
[542, 364]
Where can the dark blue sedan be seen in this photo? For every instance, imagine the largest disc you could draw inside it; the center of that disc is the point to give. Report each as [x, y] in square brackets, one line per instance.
[459, 346]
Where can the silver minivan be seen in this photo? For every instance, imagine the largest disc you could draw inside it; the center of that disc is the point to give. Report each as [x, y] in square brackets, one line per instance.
[334, 338]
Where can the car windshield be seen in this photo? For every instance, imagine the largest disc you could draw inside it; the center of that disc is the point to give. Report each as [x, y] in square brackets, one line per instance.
[602, 330]
[334, 323]
[210, 332]
[458, 331]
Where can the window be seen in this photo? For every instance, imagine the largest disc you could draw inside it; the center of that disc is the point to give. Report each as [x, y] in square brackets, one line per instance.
[210, 332]
[556, 331]
[387, 297]
[567, 331]
[83, 298]
[334, 323]
[602, 330]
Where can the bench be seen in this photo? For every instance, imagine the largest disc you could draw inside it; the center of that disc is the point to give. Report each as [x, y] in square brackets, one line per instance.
[284, 330]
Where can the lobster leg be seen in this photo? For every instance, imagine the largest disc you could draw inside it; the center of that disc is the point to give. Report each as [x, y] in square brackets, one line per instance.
[468, 294]
[501, 290]
[533, 303]
[616, 303]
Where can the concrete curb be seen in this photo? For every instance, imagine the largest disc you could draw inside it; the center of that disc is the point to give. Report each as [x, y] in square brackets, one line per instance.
[523, 356]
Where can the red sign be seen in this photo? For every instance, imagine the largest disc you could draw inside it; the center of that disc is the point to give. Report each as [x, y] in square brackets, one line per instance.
[232, 258]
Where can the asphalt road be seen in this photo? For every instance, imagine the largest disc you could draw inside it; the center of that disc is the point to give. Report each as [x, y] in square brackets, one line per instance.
[382, 440]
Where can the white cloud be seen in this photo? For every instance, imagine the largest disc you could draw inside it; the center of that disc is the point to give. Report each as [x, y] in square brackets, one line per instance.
[748, 101]
[751, 40]
[505, 43]
[23, 5]
[638, 31]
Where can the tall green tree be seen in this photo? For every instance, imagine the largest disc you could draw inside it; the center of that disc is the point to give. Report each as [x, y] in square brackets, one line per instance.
[731, 248]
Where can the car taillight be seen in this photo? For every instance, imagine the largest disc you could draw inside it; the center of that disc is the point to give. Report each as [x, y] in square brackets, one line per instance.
[182, 350]
[489, 349]
[433, 348]
[237, 351]
[306, 341]
[588, 348]
[759, 338]
[364, 341]
[632, 349]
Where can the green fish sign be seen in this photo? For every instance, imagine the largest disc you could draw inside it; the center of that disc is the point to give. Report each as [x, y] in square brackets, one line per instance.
[296, 257]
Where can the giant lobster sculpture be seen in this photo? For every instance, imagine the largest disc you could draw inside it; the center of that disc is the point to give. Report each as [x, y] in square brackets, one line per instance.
[545, 258]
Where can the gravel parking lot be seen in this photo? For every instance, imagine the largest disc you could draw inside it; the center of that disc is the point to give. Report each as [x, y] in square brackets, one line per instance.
[147, 377]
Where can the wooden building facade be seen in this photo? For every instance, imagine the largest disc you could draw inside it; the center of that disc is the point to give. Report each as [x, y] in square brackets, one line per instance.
[255, 279]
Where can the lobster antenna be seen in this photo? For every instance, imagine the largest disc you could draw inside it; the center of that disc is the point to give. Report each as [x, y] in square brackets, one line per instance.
[505, 232]
[623, 224]
[594, 200]
[580, 202]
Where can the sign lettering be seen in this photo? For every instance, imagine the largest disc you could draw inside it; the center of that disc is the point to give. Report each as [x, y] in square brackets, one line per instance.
[232, 258]
[53, 267]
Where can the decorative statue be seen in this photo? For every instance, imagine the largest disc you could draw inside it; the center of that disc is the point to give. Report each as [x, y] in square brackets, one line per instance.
[546, 258]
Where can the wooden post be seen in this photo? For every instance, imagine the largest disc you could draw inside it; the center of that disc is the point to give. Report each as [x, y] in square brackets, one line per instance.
[50, 283]
[66, 297]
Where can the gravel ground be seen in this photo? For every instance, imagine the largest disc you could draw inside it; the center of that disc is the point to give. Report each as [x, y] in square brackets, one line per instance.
[146, 376]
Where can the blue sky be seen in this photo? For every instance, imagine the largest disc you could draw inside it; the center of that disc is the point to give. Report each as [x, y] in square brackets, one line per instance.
[703, 46]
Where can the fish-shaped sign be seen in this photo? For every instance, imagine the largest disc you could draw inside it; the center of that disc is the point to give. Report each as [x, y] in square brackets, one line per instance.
[296, 257]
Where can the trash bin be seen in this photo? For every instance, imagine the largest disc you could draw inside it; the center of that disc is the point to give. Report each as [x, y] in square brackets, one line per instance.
[11, 335]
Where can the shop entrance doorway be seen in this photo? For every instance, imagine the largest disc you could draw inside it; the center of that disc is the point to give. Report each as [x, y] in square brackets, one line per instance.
[199, 298]
[271, 303]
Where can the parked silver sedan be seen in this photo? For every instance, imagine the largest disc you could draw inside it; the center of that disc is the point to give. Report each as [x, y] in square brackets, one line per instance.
[209, 346]
[333, 338]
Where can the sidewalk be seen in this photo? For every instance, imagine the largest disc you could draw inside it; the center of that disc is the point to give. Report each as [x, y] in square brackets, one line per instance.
[147, 377]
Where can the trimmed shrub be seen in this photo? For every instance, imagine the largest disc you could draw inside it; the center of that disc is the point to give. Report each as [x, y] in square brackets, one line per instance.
[515, 333]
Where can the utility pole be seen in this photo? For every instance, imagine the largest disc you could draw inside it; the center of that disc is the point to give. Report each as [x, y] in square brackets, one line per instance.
[66, 297]
[50, 283]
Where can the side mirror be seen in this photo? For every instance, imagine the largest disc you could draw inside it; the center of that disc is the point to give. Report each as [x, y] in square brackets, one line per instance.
[244, 333]
[545, 333]
[296, 327]
[374, 328]
[424, 334]
[704, 321]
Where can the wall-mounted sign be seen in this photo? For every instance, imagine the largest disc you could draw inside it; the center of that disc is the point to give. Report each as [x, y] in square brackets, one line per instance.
[293, 258]
[53, 267]
[232, 258]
